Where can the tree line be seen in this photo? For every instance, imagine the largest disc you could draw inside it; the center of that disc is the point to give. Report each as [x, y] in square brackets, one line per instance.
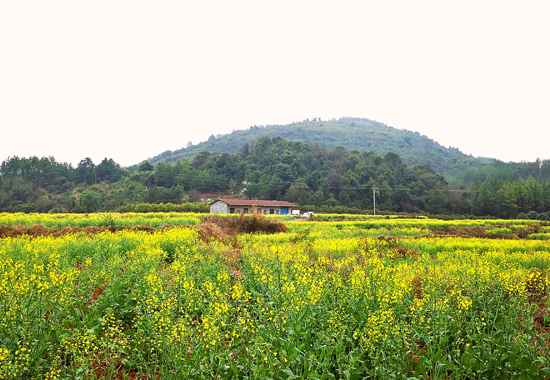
[308, 174]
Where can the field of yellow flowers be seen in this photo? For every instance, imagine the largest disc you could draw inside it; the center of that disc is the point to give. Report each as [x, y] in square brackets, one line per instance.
[351, 299]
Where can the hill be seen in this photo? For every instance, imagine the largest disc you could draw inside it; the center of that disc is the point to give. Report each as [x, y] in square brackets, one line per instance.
[351, 133]
[335, 180]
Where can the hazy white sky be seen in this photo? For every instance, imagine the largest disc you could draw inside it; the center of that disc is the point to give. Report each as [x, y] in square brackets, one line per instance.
[130, 79]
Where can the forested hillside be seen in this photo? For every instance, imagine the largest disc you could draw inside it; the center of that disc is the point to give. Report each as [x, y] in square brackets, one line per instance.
[310, 174]
[351, 133]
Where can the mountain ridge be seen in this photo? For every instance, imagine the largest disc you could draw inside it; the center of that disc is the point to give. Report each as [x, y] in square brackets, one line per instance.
[352, 133]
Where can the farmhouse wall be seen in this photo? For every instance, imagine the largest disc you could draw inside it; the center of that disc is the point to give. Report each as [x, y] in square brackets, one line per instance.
[226, 206]
[241, 209]
[219, 208]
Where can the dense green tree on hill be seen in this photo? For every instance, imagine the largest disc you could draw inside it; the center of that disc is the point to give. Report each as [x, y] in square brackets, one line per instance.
[41, 172]
[165, 175]
[33, 184]
[351, 133]
[368, 135]
[89, 201]
[507, 199]
[276, 168]
[86, 171]
[108, 171]
[160, 194]
[146, 167]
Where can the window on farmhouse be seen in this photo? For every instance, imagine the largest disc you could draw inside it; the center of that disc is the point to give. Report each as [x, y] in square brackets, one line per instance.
[245, 210]
[272, 211]
[231, 210]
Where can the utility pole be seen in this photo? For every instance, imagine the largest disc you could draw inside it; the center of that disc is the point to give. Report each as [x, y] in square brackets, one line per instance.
[374, 200]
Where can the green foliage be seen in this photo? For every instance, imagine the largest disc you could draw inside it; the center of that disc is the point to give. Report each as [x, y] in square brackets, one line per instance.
[146, 167]
[89, 201]
[108, 171]
[368, 135]
[160, 194]
[511, 199]
[522, 216]
[328, 177]
[532, 215]
[351, 133]
[86, 171]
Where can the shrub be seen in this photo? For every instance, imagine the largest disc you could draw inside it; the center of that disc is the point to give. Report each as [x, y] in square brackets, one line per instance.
[532, 215]
[247, 223]
[522, 216]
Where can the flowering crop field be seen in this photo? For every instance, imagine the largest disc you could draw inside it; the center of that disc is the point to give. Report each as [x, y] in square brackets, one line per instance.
[372, 299]
[152, 219]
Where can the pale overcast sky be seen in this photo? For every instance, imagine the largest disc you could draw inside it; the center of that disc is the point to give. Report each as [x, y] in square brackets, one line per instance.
[130, 79]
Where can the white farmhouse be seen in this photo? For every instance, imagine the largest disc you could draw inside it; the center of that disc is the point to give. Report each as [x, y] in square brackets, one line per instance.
[232, 206]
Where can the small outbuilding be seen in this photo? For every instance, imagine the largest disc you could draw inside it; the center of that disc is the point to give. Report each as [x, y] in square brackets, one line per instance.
[235, 206]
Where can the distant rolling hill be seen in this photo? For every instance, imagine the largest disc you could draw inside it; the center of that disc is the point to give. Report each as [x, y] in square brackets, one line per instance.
[352, 133]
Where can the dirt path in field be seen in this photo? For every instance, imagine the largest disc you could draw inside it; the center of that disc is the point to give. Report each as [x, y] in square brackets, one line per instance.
[482, 232]
[37, 230]
[206, 230]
